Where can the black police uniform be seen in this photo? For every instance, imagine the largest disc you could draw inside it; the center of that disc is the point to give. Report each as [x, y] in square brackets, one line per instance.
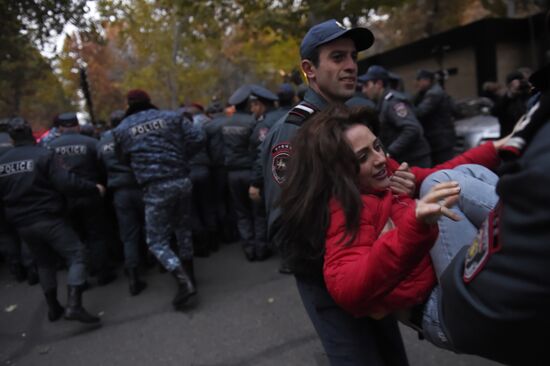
[127, 200]
[400, 131]
[204, 211]
[16, 253]
[30, 184]
[496, 293]
[239, 157]
[225, 211]
[434, 109]
[87, 214]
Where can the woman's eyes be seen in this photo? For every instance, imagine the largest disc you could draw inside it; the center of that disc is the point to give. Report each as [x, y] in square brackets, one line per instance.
[362, 157]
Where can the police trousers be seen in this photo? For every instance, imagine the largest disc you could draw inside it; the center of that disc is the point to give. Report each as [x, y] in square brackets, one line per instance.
[47, 240]
[350, 341]
[167, 213]
[130, 212]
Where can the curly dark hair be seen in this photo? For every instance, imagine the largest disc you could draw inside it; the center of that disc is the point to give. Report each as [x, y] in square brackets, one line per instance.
[322, 166]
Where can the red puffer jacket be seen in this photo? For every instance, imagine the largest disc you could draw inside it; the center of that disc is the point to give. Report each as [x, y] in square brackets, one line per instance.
[378, 274]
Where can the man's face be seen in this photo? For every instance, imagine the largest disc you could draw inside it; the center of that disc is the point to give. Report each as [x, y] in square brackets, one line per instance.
[257, 108]
[336, 75]
[373, 89]
[423, 84]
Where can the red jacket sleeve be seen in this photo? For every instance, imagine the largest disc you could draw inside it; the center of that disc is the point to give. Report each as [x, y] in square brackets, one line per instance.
[485, 155]
[360, 276]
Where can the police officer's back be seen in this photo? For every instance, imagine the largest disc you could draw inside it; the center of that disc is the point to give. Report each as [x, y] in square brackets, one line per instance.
[79, 154]
[30, 183]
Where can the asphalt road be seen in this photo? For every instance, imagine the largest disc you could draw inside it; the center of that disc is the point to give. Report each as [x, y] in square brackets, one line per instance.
[245, 314]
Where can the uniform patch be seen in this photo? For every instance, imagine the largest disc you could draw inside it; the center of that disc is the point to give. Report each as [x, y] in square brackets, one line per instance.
[280, 155]
[110, 147]
[147, 127]
[262, 133]
[22, 166]
[401, 109]
[484, 245]
[71, 150]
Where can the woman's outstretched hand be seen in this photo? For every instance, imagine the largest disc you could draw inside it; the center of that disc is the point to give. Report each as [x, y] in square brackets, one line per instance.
[438, 202]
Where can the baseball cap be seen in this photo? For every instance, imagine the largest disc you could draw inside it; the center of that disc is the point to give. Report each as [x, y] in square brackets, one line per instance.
[330, 30]
[68, 119]
[375, 72]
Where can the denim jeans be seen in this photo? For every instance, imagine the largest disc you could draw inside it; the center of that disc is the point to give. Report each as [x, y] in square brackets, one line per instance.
[477, 198]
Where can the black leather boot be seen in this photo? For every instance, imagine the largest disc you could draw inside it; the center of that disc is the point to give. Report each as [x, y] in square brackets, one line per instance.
[186, 288]
[189, 268]
[55, 310]
[74, 310]
[135, 284]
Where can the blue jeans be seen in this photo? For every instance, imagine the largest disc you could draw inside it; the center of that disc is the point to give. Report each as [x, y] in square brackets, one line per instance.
[477, 198]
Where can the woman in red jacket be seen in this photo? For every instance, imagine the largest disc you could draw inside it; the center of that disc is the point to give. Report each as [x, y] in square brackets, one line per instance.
[337, 205]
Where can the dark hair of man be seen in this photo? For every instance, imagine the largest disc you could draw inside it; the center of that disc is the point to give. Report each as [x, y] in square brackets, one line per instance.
[323, 166]
[138, 107]
[241, 107]
[22, 136]
[314, 57]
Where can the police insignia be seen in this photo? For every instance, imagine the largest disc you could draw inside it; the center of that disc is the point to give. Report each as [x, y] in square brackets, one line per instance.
[400, 109]
[262, 133]
[279, 159]
[483, 246]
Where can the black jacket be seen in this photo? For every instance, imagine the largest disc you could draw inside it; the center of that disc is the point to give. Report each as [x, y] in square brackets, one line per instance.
[434, 110]
[119, 175]
[502, 313]
[30, 184]
[78, 153]
[237, 133]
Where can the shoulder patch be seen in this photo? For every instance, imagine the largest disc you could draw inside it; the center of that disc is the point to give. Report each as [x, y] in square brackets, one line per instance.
[484, 245]
[401, 109]
[280, 155]
[300, 113]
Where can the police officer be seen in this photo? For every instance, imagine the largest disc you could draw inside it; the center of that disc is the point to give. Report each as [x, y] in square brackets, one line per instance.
[262, 105]
[329, 60]
[400, 131]
[159, 144]
[495, 293]
[87, 214]
[239, 158]
[205, 234]
[128, 204]
[30, 183]
[225, 215]
[434, 108]
[20, 261]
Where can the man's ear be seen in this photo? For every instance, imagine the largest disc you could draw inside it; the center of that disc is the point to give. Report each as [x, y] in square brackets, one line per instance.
[308, 68]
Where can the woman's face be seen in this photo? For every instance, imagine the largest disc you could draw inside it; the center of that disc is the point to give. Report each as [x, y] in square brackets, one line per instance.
[373, 175]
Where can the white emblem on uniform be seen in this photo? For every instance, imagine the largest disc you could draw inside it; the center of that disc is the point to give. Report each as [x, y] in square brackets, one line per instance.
[279, 161]
[401, 109]
[262, 133]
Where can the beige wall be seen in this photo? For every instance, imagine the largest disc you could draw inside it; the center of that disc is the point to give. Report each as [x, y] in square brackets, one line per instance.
[463, 85]
[510, 57]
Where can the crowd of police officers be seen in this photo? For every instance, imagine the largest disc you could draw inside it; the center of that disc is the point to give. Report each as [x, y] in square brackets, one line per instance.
[171, 185]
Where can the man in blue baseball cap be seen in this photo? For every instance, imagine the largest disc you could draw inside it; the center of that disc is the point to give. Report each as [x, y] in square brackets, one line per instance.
[329, 61]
